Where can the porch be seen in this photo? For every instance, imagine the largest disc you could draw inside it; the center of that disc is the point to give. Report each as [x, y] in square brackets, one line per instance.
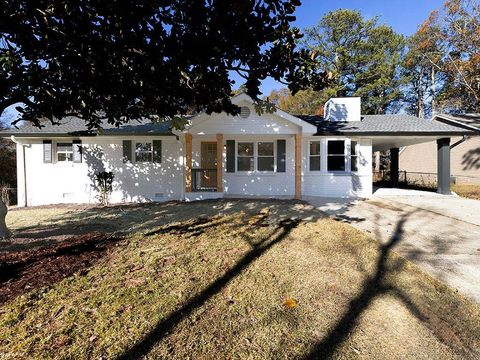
[242, 165]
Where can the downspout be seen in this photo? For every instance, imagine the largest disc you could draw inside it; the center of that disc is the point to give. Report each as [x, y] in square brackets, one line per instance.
[182, 193]
[462, 140]
[24, 168]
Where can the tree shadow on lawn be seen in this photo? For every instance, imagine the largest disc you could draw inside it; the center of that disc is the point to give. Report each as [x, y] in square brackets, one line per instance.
[375, 285]
[147, 217]
[166, 325]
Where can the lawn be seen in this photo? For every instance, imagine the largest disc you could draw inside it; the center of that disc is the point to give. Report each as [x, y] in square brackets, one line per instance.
[467, 191]
[229, 279]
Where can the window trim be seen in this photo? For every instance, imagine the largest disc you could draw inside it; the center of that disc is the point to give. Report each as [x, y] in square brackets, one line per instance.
[255, 157]
[319, 155]
[57, 144]
[273, 156]
[345, 156]
[150, 141]
[243, 156]
[356, 156]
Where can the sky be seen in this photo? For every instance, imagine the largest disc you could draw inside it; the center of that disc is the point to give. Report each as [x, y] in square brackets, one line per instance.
[403, 15]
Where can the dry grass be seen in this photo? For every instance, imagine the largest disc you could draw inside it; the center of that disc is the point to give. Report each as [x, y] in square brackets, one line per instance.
[467, 191]
[244, 284]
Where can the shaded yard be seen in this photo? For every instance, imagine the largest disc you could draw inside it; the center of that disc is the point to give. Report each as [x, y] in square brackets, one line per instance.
[231, 279]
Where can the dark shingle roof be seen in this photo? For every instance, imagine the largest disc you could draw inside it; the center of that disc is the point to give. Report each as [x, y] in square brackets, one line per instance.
[466, 120]
[402, 125]
[74, 126]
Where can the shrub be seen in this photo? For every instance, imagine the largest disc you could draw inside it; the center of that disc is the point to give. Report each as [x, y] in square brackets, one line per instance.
[104, 182]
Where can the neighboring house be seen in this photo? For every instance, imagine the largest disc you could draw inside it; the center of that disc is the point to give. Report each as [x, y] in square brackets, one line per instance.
[420, 161]
[268, 155]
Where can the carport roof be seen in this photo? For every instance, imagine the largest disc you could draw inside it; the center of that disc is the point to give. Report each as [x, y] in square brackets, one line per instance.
[386, 125]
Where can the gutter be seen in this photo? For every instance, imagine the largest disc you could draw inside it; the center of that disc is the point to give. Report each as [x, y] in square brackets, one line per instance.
[462, 140]
[80, 134]
[24, 168]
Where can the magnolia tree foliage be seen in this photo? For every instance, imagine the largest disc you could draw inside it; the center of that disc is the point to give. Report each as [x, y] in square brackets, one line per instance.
[122, 60]
[126, 60]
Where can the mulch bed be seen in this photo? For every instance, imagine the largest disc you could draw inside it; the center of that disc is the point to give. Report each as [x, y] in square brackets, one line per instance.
[21, 272]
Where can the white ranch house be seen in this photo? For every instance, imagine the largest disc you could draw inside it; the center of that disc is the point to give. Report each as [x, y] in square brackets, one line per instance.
[270, 155]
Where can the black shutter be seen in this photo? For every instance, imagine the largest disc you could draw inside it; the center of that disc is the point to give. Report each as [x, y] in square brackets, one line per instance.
[127, 150]
[157, 151]
[77, 151]
[47, 151]
[281, 155]
[230, 155]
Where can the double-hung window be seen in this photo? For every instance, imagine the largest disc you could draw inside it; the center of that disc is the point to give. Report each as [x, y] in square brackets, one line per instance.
[245, 156]
[259, 156]
[336, 155]
[64, 152]
[354, 156]
[314, 158]
[143, 152]
[265, 156]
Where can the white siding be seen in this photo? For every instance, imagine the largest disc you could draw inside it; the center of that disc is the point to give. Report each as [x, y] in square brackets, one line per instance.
[337, 184]
[255, 124]
[73, 182]
[257, 183]
[253, 183]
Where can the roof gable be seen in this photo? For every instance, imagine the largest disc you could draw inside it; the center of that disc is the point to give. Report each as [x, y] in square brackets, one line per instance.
[278, 122]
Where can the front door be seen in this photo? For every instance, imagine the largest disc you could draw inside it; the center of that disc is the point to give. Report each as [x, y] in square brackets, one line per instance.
[209, 164]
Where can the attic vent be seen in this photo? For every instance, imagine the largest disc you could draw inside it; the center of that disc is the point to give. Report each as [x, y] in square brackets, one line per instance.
[244, 112]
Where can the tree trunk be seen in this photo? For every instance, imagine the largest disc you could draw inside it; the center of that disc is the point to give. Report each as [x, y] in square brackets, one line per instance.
[420, 98]
[4, 232]
[432, 78]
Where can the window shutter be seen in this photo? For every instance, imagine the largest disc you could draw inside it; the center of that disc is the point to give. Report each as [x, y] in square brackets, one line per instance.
[157, 151]
[281, 155]
[77, 151]
[127, 150]
[47, 151]
[230, 155]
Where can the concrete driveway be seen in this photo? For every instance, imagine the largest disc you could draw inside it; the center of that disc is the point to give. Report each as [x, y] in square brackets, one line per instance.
[440, 233]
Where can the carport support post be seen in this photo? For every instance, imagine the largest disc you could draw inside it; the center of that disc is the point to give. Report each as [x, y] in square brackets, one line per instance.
[394, 167]
[219, 162]
[443, 166]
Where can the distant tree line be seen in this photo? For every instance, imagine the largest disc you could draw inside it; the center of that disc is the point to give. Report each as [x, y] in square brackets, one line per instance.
[8, 174]
[435, 70]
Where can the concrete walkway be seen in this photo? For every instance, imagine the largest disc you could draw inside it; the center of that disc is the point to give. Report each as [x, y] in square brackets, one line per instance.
[440, 233]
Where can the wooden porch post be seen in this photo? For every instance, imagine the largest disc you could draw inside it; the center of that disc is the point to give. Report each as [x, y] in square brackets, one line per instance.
[298, 166]
[188, 162]
[219, 162]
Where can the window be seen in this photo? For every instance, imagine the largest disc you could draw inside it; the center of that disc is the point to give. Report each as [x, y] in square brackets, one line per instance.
[265, 158]
[64, 152]
[336, 155]
[353, 156]
[245, 160]
[143, 152]
[315, 156]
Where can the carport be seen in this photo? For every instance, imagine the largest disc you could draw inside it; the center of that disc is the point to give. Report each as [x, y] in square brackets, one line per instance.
[392, 132]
